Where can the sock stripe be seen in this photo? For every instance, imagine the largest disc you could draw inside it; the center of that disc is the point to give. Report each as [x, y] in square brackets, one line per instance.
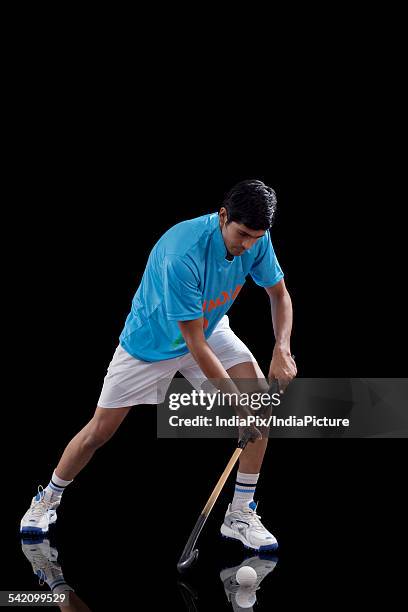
[55, 489]
[52, 483]
[244, 484]
[56, 583]
[245, 489]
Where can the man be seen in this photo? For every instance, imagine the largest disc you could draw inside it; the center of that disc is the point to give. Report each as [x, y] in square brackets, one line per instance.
[178, 322]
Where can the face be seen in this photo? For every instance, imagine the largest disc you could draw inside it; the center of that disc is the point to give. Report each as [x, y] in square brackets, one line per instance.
[237, 237]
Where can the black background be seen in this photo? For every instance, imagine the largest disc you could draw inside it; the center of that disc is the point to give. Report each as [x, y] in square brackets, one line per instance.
[99, 176]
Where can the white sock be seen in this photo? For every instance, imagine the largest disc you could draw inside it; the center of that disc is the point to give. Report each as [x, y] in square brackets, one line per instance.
[56, 582]
[63, 588]
[55, 488]
[244, 489]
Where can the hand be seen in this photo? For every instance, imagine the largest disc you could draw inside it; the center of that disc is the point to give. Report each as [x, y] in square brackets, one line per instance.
[283, 367]
[250, 433]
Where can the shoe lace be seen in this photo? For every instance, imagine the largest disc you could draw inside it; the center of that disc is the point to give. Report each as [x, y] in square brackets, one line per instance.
[255, 520]
[45, 568]
[41, 505]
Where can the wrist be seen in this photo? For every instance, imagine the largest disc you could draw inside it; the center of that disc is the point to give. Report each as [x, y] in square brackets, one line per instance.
[282, 347]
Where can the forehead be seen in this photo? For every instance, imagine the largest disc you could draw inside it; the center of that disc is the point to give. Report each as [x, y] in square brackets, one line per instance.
[243, 228]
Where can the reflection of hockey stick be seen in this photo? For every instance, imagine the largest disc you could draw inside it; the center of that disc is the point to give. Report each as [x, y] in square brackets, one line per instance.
[189, 554]
[189, 596]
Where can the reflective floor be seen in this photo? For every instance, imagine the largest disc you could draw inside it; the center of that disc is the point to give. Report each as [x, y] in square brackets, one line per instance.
[118, 571]
[339, 518]
[43, 556]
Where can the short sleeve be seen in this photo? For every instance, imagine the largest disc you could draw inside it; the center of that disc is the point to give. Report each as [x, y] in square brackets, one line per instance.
[182, 296]
[266, 270]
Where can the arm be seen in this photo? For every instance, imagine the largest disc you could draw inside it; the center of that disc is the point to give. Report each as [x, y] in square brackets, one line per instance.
[282, 365]
[211, 366]
[204, 356]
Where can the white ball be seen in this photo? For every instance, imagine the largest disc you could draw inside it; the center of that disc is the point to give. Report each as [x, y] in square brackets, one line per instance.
[246, 576]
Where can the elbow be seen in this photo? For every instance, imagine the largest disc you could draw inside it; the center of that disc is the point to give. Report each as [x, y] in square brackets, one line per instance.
[193, 334]
[195, 344]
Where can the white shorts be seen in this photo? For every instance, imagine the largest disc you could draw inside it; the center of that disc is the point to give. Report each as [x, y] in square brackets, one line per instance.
[130, 381]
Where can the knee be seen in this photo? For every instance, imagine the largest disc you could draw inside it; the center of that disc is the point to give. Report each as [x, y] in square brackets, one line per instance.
[253, 386]
[98, 433]
[262, 386]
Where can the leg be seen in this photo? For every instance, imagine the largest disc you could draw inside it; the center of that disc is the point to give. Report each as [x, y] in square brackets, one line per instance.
[75, 604]
[99, 430]
[242, 510]
[252, 456]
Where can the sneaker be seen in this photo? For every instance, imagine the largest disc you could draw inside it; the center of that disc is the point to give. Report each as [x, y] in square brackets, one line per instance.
[43, 559]
[245, 525]
[263, 564]
[41, 514]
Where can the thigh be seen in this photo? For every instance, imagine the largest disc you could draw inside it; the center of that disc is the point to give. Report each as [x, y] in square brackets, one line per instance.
[249, 377]
[231, 351]
[130, 381]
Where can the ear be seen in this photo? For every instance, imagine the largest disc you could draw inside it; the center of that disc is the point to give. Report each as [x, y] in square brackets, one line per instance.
[223, 216]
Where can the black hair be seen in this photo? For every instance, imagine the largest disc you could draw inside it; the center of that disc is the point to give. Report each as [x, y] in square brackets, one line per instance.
[251, 203]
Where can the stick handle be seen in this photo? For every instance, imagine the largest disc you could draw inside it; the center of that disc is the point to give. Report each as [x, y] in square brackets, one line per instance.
[221, 482]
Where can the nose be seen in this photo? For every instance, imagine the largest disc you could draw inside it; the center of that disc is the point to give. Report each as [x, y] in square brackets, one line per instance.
[247, 243]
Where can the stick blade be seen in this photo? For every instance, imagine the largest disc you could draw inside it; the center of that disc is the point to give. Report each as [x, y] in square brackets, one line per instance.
[187, 561]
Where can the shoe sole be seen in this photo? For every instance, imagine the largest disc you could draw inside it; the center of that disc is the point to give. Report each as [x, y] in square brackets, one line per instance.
[27, 540]
[32, 531]
[227, 533]
[38, 531]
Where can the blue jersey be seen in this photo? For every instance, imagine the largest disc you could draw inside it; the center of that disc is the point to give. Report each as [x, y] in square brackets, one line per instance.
[187, 276]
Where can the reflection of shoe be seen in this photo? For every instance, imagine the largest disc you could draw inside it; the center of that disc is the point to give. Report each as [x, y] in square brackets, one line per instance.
[40, 515]
[245, 597]
[43, 559]
[245, 525]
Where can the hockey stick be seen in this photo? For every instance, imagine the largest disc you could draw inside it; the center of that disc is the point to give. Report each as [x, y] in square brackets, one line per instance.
[190, 554]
